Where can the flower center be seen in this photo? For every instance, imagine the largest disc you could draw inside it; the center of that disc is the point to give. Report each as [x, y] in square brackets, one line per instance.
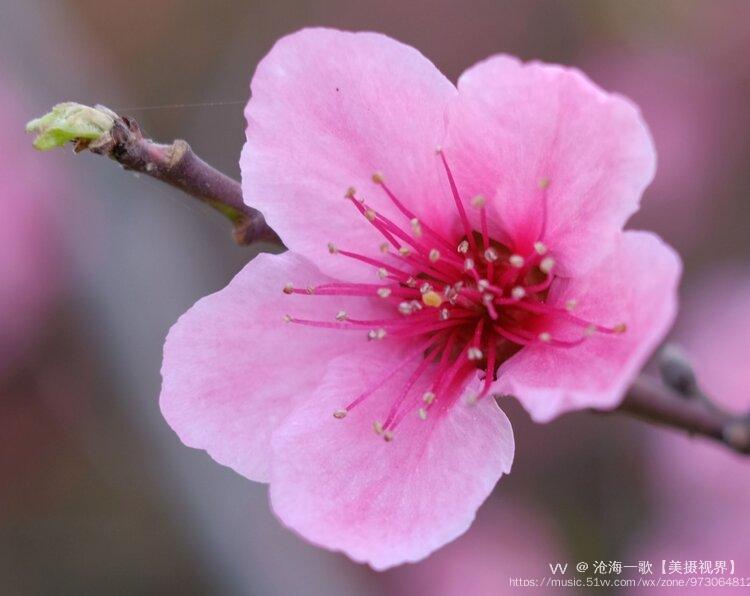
[468, 303]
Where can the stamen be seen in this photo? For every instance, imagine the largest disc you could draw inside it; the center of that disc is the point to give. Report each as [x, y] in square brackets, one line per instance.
[518, 292]
[516, 261]
[428, 397]
[457, 200]
[434, 255]
[339, 414]
[463, 247]
[491, 256]
[432, 299]
[478, 202]
[422, 413]
[384, 292]
[288, 288]
[474, 354]
[341, 315]
[540, 248]
[332, 248]
[376, 334]
[547, 264]
[377, 426]
[416, 227]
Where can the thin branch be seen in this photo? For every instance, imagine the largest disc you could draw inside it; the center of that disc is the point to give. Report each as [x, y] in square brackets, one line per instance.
[651, 400]
[101, 131]
[676, 402]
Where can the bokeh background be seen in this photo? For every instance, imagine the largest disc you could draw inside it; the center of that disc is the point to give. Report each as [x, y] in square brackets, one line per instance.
[97, 495]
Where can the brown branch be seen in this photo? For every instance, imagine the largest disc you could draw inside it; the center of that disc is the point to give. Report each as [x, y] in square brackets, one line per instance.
[655, 402]
[676, 402]
[120, 138]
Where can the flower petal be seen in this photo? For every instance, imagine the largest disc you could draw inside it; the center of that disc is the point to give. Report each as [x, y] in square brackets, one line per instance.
[342, 487]
[328, 109]
[636, 285]
[515, 128]
[233, 369]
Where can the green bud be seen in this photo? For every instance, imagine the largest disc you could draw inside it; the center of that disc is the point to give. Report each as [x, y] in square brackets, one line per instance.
[70, 121]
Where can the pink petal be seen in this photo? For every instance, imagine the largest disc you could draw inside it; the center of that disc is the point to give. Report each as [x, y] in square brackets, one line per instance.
[328, 109]
[233, 369]
[515, 125]
[342, 487]
[637, 285]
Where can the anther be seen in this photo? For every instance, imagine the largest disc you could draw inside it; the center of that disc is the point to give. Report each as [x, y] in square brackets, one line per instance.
[488, 299]
[432, 298]
[422, 413]
[434, 255]
[621, 328]
[590, 330]
[382, 273]
[416, 227]
[491, 255]
[385, 248]
[516, 261]
[544, 183]
[376, 334]
[350, 192]
[518, 292]
[377, 426]
[472, 400]
[339, 414]
[428, 397]
[405, 308]
[482, 285]
[540, 248]
[478, 202]
[310, 289]
[288, 288]
[384, 292]
[545, 337]
[469, 264]
[571, 304]
[341, 315]
[404, 251]
[411, 282]
[474, 353]
[425, 287]
[377, 178]
[547, 264]
[370, 214]
[444, 314]
[332, 248]
[463, 247]
[388, 436]
[288, 318]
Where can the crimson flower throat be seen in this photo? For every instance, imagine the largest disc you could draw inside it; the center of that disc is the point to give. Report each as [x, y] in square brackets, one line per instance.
[465, 303]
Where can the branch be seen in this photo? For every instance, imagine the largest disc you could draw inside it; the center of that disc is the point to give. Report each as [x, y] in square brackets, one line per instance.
[103, 132]
[679, 403]
[676, 402]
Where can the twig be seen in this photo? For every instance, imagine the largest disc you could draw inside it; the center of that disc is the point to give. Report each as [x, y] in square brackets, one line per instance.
[650, 400]
[676, 402]
[120, 138]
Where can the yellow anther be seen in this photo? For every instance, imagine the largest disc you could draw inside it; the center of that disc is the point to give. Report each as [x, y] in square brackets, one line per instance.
[432, 298]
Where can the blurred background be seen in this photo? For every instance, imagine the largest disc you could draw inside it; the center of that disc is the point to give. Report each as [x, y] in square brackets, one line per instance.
[97, 494]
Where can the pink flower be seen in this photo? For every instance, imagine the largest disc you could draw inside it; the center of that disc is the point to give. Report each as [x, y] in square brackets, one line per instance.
[502, 249]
